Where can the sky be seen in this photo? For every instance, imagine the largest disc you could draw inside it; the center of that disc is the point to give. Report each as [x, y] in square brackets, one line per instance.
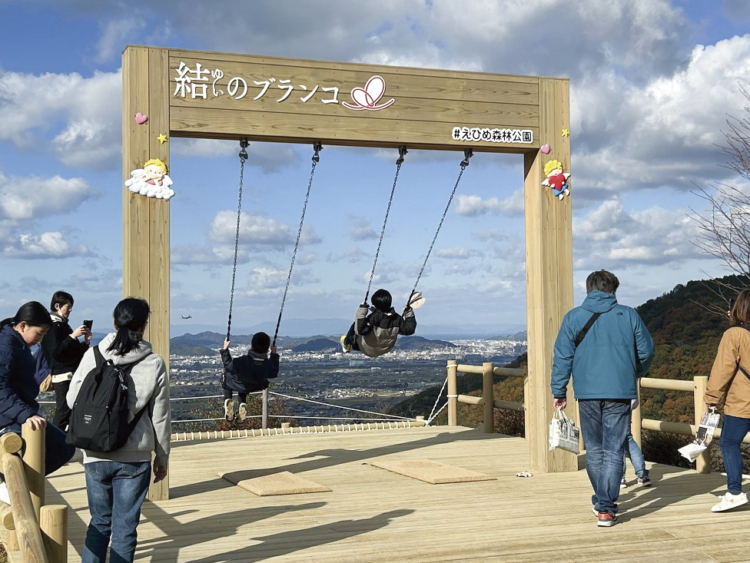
[652, 84]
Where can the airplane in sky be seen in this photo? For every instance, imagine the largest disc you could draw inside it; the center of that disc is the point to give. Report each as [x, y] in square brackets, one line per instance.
[188, 317]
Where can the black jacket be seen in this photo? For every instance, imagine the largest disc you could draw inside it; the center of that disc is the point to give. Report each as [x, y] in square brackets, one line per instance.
[63, 353]
[18, 388]
[246, 374]
[377, 331]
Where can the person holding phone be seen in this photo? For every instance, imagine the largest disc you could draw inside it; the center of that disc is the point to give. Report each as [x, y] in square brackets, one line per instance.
[64, 352]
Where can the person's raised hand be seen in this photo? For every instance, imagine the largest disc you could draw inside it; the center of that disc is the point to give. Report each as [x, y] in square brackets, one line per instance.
[80, 331]
[226, 344]
[273, 349]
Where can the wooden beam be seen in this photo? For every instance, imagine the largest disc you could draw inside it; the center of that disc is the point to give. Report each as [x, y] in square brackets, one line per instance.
[27, 526]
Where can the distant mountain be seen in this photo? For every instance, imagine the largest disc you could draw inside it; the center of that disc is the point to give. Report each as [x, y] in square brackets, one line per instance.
[420, 343]
[316, 345]
[517, 337]
[192, 350]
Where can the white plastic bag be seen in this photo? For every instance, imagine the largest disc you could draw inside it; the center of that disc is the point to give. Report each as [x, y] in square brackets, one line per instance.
[709, 422]
[563, 433]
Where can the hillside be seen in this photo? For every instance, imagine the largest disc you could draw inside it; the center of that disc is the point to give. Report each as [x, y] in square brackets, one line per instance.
[419, 343]
[192, 350]
[317, 345]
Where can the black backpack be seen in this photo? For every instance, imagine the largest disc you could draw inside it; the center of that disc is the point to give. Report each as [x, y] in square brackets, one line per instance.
[99, 417]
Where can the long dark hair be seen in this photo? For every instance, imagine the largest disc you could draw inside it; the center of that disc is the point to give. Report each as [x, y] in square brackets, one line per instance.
[740, 310]
[32, 313]
[131, 316]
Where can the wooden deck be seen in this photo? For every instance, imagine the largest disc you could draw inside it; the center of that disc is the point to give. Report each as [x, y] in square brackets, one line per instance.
[372, 515]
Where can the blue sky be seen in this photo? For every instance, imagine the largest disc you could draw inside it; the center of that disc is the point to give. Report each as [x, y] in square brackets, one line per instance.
[652, 83]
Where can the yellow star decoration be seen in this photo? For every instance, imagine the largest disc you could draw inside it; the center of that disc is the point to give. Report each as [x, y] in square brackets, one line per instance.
[566, 133]
[162, 138]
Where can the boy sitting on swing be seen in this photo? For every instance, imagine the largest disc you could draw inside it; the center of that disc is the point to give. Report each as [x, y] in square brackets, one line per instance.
[247, 374]
[376, 328]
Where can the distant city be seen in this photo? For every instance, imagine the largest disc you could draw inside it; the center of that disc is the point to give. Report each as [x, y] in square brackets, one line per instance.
[327, 375]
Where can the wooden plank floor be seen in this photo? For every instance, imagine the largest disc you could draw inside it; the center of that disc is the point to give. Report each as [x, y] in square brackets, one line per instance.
[373, 515]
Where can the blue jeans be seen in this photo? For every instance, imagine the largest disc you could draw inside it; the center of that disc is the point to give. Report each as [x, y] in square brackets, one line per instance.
[632, 450]
[56, 452]
[732, 433]
[604, 424]
[116, 492]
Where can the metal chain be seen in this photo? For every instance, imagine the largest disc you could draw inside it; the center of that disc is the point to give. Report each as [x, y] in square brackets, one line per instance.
[243, 157]
[315, 159]
[468, 153]
[401, 152]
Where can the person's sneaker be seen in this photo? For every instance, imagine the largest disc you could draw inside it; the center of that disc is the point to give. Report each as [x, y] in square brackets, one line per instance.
[606, 520]
[596, 512]
[346, 348]
[623, 483]
[4, 495]
[229, 409]
[243, 411]
[730, 501]
[644, 481]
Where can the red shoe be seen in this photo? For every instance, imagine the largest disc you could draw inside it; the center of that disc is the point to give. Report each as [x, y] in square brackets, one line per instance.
[606, 520]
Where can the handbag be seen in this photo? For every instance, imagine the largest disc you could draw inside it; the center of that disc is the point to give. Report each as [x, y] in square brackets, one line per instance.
[563, 433]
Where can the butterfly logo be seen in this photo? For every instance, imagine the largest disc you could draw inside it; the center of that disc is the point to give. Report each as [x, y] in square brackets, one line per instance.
[368, 97]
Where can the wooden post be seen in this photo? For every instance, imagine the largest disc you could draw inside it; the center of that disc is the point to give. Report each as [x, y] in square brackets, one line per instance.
[700, 383]
[6, 517]
[489, 397]
[54, 526]
[145, 89]
[635, 421]
[11, 443]
[452, 393]
[27, 526]
[264, 413]
[33, 463]
[549, 271]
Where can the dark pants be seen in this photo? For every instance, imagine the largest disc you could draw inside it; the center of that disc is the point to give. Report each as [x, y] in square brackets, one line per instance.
[351, 338]
[241, 396]
[56, 452]
[62, 411]
[732, 433]
[116, 492]
[604, 424]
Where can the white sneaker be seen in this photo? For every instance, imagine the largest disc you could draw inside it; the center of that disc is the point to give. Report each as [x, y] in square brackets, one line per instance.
[243, 411]
[4, 496]
[229, 409]
[729, 501]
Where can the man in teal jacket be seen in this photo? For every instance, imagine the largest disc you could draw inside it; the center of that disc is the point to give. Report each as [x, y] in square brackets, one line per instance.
[605, 361]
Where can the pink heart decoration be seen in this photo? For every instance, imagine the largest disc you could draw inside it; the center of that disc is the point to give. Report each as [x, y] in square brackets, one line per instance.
[140, 119]
[545, 149]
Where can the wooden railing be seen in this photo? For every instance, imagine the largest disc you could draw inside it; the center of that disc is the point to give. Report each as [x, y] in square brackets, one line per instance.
[697, 387]
[38, 530]
[487, 400]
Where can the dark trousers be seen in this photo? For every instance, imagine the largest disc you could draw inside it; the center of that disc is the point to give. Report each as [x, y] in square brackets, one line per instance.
[351, 338]
[241, 396]
[732, 433]
[62, 412]
[56, 452]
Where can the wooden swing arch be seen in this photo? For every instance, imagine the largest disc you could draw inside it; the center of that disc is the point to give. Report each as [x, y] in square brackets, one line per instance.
[232, 96]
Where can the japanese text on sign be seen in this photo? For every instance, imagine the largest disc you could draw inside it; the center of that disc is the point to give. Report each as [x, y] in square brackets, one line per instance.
[523, 136]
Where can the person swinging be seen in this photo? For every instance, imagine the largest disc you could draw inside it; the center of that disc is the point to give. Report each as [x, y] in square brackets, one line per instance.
[375, 329]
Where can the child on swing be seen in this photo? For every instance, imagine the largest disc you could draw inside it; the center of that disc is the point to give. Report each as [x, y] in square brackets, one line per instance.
[247, 374]
[375, 329]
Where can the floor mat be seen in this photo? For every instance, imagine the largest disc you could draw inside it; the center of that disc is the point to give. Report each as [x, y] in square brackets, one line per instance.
[284, 483]
[431, 471]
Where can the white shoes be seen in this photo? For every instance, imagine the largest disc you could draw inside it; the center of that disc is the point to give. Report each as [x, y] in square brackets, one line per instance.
[4, 496]
[229, 410]
[730, 501]
[243, 412]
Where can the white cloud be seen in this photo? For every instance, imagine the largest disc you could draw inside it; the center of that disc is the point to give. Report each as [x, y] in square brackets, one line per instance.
[32, 107]
[115, 35]
[458, 253]
[269, 157]
[361, 228]
[46, 245]
[256, 230]
[34, 198]
[473, 205]
[274, 278]
[610, 237]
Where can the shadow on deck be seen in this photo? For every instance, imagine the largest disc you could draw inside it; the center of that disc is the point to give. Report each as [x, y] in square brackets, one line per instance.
[372, 515]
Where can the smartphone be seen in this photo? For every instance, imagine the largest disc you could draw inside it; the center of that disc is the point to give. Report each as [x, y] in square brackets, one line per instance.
[88, 324]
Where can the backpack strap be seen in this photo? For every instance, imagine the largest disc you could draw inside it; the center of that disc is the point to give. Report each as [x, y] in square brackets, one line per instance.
[738, 367]
[582, 334]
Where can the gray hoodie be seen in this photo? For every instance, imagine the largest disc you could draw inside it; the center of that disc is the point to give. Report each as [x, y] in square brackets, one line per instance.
[149, 379]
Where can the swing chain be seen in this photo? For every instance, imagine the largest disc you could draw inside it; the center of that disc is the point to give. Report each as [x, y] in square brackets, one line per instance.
[401, 153]
[468, 153]
[243, 157]
[315, 159]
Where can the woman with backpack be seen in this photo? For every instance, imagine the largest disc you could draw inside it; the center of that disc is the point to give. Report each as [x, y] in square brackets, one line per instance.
[729, 384]
[117, 481]
[18, 387]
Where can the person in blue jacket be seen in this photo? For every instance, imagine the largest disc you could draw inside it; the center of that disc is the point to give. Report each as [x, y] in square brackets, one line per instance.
[19, 389]
[605, 361]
